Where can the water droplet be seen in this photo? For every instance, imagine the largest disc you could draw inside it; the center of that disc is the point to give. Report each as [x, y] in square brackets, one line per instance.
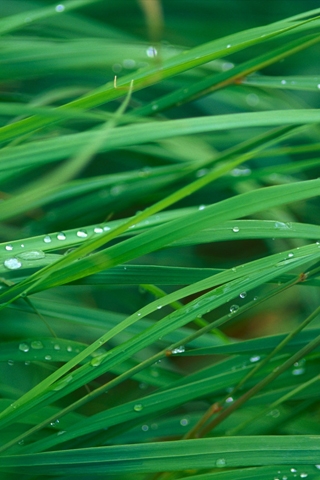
[138, 407]
[82, 234]
[59, 8]
[69, 348]
[12, 263]
[228, 46]
[202, 172]
[255, 358]
[180, 349]
[155, 107]
[229, 400]
[184, 422]
[62, 383]
[48, 357]
[235, 229]
[98, 230]
[240, 172]
[151, 52]
[252, 99]
[129, 63]
[317, 466]
[56, 347]
[36, 344]
[318, 85]
[293, 470]
[61, 432]
[24, 347]
[284, 477]
[220, 463]
[303, 475]
[283, 82]
[106, 229]
[298, 371]
[10, 362]
[117, 67]
[47, 239]
[159, 307]
[61, 236]
[54, 423]
[282, 225]
[243, 295]
[234, 308]
[202, 207]
[32, 255]
[144, 428]
[299, 367]
[227, 66]
[274, 413]
[117, 190]
[96, 361]
[290, 255]
[9, 248]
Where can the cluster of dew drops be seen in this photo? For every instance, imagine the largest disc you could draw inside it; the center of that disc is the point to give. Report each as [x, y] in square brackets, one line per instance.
[16, 262]
[292, 474]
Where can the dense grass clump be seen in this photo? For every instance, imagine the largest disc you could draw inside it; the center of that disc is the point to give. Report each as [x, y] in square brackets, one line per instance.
[160, 240]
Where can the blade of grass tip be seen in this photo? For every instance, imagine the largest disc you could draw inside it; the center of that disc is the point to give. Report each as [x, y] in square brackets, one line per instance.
[168, 351]
[267, 140]
[268, 379]
[273, 405]
[159, 293]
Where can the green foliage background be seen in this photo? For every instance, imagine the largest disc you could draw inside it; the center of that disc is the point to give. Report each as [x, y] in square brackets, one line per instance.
[160, 241]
